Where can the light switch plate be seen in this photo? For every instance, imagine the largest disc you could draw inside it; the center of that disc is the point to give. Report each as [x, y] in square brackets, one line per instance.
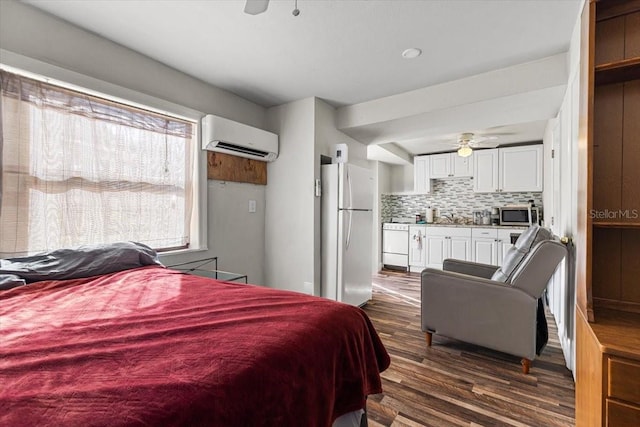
[252, 206]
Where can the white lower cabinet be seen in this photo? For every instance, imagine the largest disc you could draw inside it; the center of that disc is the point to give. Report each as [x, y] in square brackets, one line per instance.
[417, 248]
[505, 236]
[429, 245]
[485, 246]
[491, 244]
[447, 242]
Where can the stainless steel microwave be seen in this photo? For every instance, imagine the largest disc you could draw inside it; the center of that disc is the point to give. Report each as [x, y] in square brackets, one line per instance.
[519, 215]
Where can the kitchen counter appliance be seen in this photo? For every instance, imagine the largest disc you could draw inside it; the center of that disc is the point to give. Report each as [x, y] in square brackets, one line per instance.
[519, 215]
[395, 245]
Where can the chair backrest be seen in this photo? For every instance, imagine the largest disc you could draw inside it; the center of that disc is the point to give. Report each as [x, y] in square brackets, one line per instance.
[533, 274]
[531, 261]
[517, 253]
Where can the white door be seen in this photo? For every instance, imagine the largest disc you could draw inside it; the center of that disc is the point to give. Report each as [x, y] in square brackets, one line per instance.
[460, 248]
[436, 250]
[354, 260]
[520, 168]
[485, 171]
[440, 165]
[484, 250]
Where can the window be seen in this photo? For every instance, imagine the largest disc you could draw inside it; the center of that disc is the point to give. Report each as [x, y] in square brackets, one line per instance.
[79, 169]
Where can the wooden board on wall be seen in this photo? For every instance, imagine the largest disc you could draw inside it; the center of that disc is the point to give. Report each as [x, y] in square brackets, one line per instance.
[225, 167]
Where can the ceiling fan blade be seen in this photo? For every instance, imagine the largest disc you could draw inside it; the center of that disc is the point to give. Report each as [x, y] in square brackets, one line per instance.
[482, 138]
[255, 7]
[485, 144]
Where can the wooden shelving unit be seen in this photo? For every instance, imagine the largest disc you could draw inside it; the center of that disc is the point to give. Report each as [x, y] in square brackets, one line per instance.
[608, 267]
[615, 149]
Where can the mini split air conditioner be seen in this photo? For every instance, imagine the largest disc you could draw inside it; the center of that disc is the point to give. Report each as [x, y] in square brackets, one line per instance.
[227, 136]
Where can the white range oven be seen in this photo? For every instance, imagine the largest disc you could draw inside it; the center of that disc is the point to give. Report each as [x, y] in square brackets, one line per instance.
[395, 244]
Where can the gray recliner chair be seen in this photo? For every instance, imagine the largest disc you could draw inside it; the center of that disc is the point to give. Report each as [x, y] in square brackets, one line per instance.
[490, 306]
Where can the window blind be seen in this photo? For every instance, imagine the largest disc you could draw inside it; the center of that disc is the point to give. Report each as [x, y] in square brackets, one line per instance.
[79, 169]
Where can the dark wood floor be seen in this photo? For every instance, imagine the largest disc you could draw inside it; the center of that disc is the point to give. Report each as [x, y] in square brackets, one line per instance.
[454, 383]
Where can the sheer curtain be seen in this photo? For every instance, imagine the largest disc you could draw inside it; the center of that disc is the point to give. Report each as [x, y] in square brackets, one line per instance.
[79, 169]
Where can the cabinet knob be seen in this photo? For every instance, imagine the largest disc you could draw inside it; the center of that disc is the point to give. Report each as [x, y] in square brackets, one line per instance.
[565, 240]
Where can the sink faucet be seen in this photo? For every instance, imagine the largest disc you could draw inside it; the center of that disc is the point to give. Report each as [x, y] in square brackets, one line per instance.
[450, 217]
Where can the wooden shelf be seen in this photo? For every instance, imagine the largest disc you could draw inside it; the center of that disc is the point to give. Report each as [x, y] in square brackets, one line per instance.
[617, 224]
[618, 71]
[618, 332]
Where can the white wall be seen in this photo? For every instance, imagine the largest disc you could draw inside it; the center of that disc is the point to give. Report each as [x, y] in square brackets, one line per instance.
[307, 130]
[563, 186]
[65, 52]
[236, 234]
[401, 179]
[383, 186]
[290, 207]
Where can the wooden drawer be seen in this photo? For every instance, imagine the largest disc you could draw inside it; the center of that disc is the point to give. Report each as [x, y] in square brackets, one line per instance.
[624, 380]
[622, 415]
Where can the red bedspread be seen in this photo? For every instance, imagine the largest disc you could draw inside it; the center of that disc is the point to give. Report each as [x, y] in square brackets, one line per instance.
[152, 346]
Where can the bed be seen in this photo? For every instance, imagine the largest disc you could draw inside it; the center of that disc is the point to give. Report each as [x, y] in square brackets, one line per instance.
[147, 345]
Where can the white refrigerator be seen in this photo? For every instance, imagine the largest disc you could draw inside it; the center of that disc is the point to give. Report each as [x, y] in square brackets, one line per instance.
[347, 218]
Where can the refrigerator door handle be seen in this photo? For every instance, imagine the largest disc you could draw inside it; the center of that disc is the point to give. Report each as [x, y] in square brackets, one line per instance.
[349, 189]
[349, 229]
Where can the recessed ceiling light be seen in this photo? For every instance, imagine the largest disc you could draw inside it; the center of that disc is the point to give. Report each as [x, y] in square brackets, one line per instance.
[412, 52]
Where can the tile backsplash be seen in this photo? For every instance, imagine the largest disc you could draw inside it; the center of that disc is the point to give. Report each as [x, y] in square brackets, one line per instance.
[450, 196]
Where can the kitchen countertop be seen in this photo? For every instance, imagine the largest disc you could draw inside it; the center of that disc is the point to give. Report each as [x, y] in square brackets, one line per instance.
[446, 224]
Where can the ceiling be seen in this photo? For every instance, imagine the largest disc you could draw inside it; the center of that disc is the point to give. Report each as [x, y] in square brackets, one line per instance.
[344, 52]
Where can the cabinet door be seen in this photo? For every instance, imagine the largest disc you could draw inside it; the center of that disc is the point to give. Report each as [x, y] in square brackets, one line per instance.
[436, 247]
[460, 248]
[440, 165]
[521, 168]
[417, 251]
[485, 171]
[421, 180]
[485, 250]
[502, 247]
[504, 241]
[461, 166]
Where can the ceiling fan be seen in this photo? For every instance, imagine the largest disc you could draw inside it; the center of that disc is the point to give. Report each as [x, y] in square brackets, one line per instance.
[468, 141]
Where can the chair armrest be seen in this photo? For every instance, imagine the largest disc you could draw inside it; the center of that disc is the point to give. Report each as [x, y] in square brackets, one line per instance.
[471, 268]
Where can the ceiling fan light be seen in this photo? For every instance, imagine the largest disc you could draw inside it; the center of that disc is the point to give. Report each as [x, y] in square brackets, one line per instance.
[464, 151]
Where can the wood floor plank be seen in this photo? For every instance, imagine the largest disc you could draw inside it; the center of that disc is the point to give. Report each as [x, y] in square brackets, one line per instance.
[453, 383]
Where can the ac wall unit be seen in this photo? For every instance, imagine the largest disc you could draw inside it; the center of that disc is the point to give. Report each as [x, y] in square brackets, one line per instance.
[227, 136]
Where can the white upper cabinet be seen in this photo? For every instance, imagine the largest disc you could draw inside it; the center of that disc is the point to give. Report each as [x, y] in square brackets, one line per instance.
[421, 179]
[440, 165]
[485, 166]
[508, 169]
[450, 165]
[521, 168]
